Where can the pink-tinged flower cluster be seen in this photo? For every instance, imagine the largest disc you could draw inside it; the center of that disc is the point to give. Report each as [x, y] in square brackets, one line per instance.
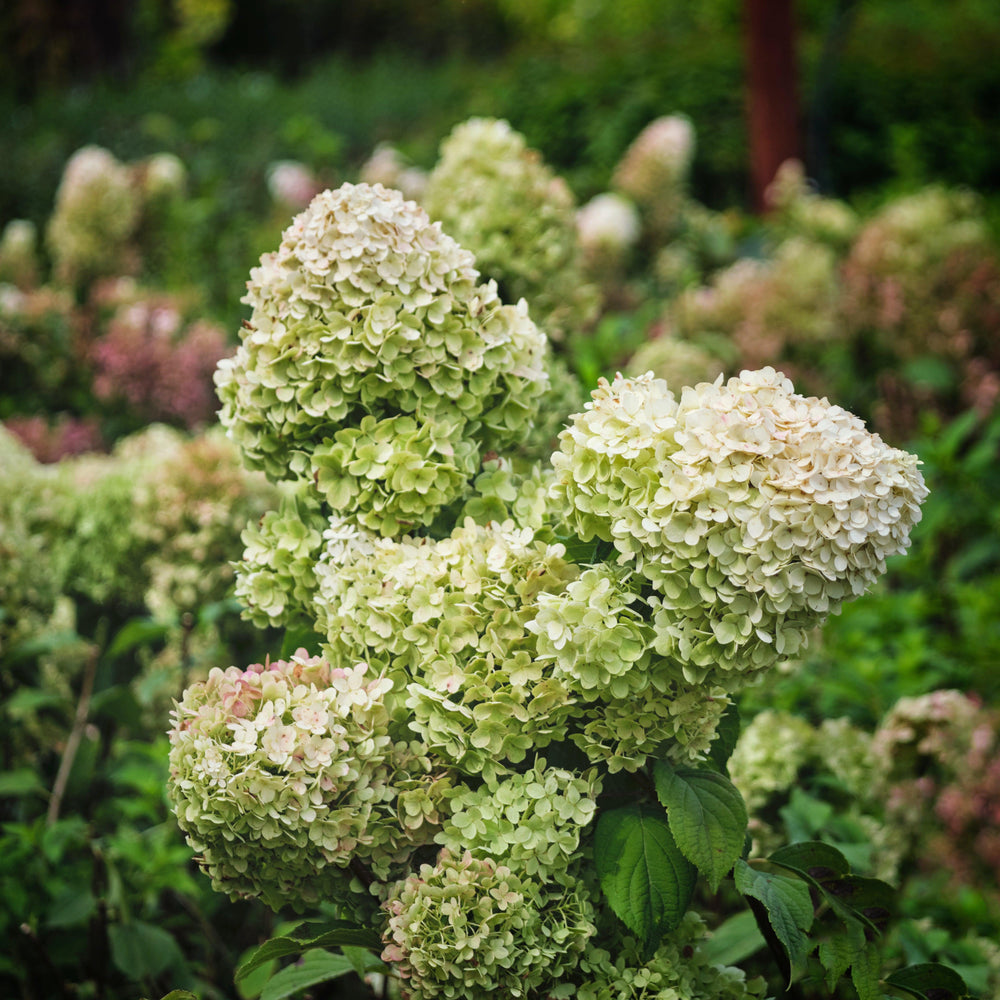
[653, 172]
[156, 363]
[291, 184]
[49, 441]
[940, 756]
[285, 776]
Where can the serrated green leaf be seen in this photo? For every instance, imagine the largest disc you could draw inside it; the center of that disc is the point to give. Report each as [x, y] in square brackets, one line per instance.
[945, 983]
[838, 953]
[821, 862]
[868, 898]
[727, 732]
[315, 967]
[338, 933]
[646, 879]
[865, 973]
[787, 903]
[362, 960]
[734, 940]
[707, 817]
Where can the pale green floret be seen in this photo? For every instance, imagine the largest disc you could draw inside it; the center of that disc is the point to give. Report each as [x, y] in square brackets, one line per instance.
[275, 579]
[753, 512]
[468, 926]
[679, 970]
[531, 821]
[499, 493]
[449, 619]
[374, 365]
[498, 198]
[286, 778]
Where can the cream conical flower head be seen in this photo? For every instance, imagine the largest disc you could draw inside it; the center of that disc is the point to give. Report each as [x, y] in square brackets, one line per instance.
[753, 511]
[374, 365]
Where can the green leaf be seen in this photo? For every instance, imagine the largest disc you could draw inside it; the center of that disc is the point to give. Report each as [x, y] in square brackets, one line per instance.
[838, 953]
[140, 950]
[315, 967]
[28, 700]
[931, 979]
[646, 879]
[805, 815]
[821, 862]
[787, 904]
[868, 898]
[249, 988]
[707, 817]
[137, 632]
[727, 732]
[734, 940]
[23, 781]
[362, 960]
[180, 995]
[300, 638]
[338, 933]
[71, 907]
[865, 973]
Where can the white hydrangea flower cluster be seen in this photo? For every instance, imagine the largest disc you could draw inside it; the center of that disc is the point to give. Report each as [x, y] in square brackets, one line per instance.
[286, 777]
[97, 209]
[374, 365]
[608, 227]
[754, 512]
[467, 926]
[498, 198]
[653, 171]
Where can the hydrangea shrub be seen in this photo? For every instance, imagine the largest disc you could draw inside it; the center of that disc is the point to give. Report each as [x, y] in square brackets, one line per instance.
[518, 690]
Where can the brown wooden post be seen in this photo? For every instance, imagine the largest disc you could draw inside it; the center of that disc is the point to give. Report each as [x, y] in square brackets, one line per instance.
[772, 82]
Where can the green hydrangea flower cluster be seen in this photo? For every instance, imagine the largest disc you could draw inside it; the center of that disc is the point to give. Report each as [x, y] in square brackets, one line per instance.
[474, 609]
[189, 508]
[799, 210]
[449, 617]
[96, 212]
[531, 822]
[754, 512]
[29, 583]
[276, 579]
[19, 253]
[467, 925]
[679, 970]
[374, 365]
[497, 197]
[285, 775]
[677, 361]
